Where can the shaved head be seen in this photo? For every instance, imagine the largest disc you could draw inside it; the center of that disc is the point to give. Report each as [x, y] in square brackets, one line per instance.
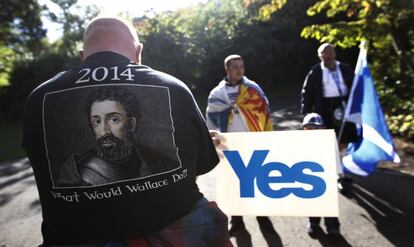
[111, 34]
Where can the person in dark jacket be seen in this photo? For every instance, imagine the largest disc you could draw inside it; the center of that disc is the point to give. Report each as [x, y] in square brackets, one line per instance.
[326, 90]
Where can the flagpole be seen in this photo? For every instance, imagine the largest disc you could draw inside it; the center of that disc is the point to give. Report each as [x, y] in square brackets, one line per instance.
[341, 129]
[363, 44]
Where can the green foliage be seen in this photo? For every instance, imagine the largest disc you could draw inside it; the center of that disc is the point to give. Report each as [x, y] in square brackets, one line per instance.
[183, 43]
[388, 26]
[20, 25]
[25, 77]
[21, 73]
[402, 125]
[192, 43]
[266, 11]
[73, 19]
[6, 64]
[21, 33]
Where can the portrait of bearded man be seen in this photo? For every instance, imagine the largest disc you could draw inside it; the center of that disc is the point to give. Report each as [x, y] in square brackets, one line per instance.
[113, 115]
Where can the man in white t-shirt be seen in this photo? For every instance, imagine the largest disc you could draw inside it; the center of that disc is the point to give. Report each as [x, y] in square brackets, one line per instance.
[238, 104]
[326, 90]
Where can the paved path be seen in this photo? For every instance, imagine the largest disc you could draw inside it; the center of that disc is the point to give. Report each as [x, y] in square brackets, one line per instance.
[366, 219]
[20, 214]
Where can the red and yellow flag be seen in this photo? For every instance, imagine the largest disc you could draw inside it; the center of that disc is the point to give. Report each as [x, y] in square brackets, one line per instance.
[255, 109]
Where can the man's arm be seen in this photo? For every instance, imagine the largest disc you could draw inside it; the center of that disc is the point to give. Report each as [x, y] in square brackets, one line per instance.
[347, 75]
[217, 110]
[215, 137]
[307, 94]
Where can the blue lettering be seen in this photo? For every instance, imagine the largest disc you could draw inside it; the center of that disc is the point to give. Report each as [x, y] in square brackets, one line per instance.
[257, 169]
[318, 184]
[264, 180]
[246, 173]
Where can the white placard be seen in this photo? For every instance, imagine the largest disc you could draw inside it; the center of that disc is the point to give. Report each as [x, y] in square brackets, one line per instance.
[278, 173]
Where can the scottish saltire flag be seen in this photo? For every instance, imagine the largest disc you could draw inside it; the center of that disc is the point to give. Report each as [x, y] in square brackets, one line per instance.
[364, 109]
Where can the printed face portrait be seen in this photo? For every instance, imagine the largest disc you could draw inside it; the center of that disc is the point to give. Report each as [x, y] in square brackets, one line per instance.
[113, 122]
[124, 126]
[235, 70]
[113, 130]
[109, 117]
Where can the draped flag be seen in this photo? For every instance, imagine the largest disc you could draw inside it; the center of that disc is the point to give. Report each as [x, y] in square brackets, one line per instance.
[251, 102]
[375, 143]
[255, 108]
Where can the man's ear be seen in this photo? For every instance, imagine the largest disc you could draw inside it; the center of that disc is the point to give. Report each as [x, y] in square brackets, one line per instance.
[226, 70]
[133, 124]
[138, 52]
[80, 52]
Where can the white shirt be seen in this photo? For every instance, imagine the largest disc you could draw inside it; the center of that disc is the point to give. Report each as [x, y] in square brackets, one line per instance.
[236, 124]
[330, 85]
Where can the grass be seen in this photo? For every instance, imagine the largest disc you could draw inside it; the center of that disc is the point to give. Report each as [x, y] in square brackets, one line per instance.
[10, 142]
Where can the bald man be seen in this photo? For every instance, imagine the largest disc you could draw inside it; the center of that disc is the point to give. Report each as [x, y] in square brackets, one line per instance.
[86, 123]
[111, 34]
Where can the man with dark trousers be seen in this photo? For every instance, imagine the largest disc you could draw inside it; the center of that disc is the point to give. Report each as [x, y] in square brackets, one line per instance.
[325, 91]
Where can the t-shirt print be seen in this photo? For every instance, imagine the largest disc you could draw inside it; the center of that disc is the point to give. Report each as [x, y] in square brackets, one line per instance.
[97, 135]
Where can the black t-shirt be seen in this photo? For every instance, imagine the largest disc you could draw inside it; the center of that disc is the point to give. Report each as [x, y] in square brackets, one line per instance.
[115, 148]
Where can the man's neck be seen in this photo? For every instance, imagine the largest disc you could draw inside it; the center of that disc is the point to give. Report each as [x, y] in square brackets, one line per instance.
[331, 66]
[232, 82]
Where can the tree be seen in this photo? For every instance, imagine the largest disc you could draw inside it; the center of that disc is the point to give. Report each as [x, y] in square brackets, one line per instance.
[388, 26]
[192, 43]
[20, 31]
[26, 72]
[73, 19]
[20, 24]
[187, 42]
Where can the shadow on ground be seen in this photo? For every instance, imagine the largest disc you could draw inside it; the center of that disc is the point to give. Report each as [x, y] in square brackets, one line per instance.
[272, 238]
[9, 168]
[243, 239]
[329, 240]
[17, 171]
[12, 173]
[395, 224]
